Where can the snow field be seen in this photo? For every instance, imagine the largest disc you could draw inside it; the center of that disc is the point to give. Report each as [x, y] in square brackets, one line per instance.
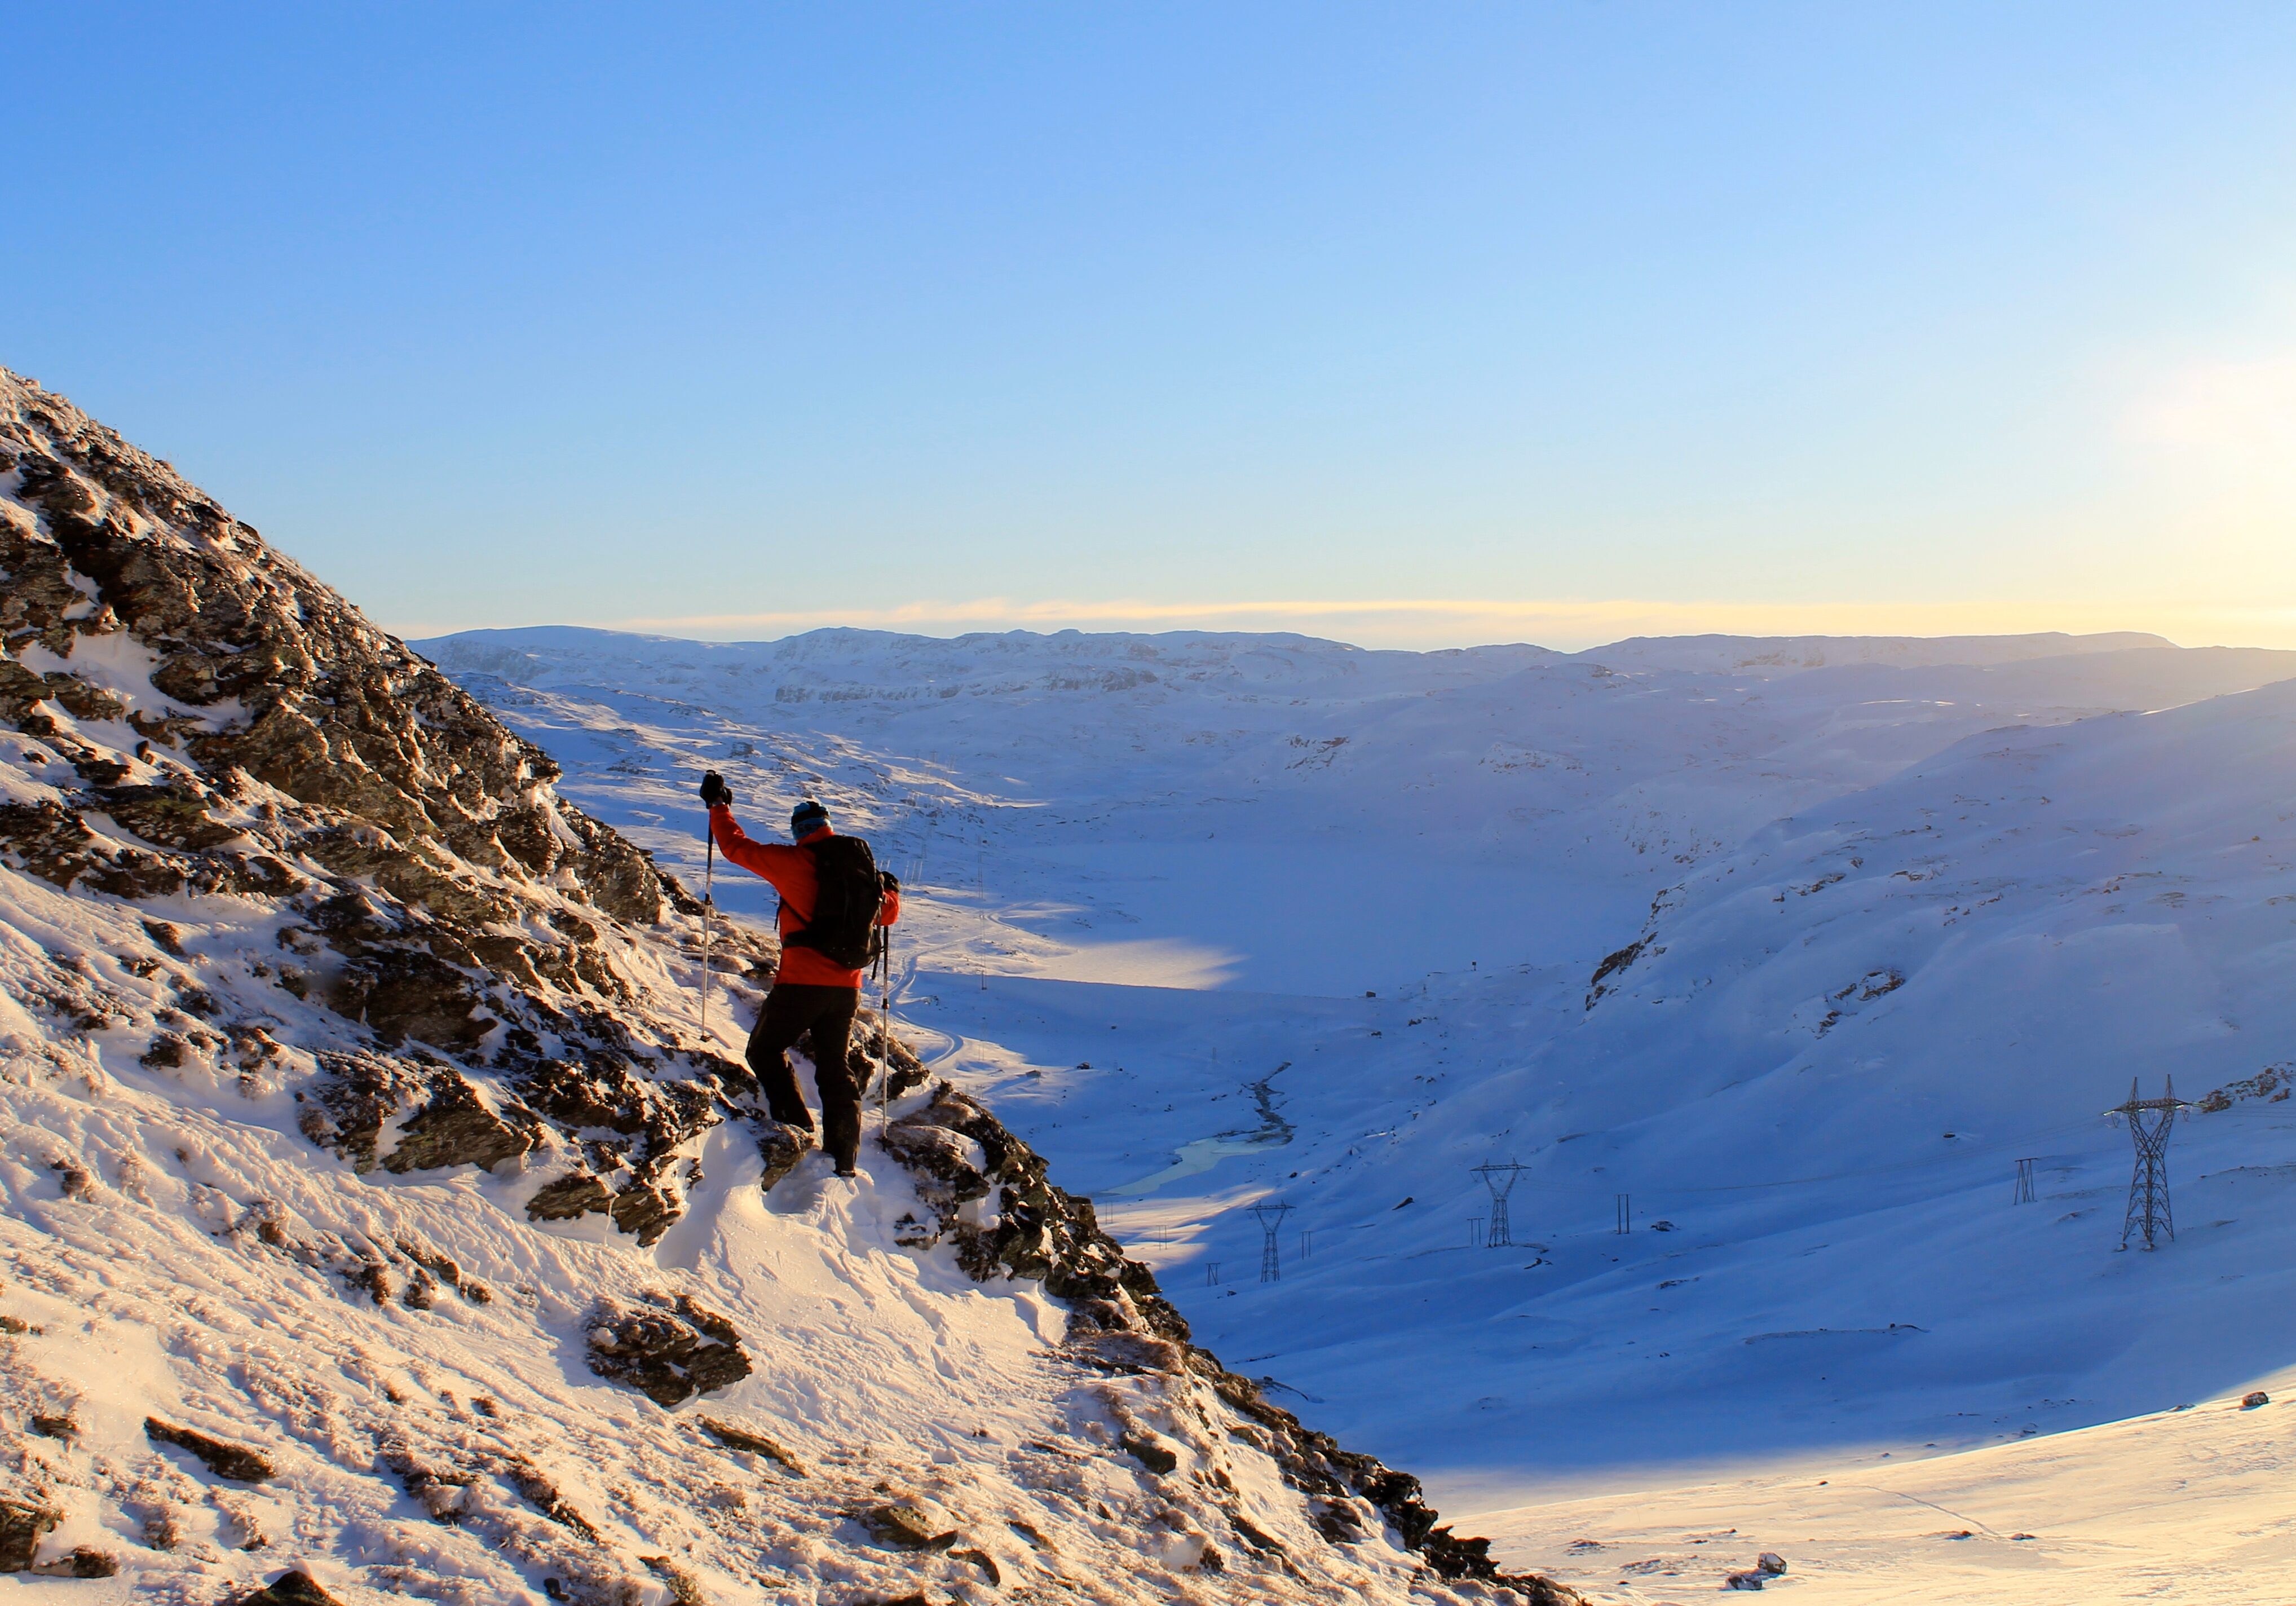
[1997, 891]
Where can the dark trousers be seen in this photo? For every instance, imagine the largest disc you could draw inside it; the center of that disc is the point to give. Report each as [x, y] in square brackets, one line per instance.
[827, 1011]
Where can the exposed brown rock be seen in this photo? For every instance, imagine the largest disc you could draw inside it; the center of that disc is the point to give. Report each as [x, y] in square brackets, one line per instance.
[753, 1442]
[666, 1348]
[1042, 1233]
[289, 1589]
[21, 1524]
[237, 1463]
[568, 1197]
[905, 1526]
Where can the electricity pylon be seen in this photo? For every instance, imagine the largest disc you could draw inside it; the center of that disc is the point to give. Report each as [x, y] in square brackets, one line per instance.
[2149, 1121]
[1271, 1222]
[1500, 1180]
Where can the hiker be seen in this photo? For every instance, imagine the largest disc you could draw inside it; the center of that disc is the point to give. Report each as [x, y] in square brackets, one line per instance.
[833, 900]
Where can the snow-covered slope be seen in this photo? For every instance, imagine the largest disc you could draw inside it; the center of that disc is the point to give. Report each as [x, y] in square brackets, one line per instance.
[1866, 935]
[374, 1206]
[1775, 655]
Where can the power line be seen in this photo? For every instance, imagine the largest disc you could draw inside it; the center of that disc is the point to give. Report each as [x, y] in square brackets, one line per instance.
[1802, 1182]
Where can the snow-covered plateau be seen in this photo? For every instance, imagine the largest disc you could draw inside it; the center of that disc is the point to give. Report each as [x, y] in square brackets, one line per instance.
[380, 1210]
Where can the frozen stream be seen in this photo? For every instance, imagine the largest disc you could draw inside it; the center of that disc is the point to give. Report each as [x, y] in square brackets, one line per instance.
[1195, 1159]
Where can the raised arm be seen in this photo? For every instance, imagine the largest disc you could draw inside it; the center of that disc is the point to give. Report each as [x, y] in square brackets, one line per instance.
[771, 860]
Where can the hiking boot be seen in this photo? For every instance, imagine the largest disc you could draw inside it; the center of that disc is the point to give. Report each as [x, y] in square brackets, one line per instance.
[781, 1146]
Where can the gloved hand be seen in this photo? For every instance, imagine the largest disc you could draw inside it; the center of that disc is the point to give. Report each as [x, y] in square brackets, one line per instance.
[715, 792]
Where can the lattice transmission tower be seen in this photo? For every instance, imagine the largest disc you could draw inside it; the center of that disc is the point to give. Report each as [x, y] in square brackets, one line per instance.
[1271, 1217]
[1500, 1180]
[2149, 1121]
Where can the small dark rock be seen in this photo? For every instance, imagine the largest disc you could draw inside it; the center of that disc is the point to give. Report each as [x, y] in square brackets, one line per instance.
[233, 1461]
[1770, 1562]
[84, 1562]
[538, 1491]
[646, 1210]
[903, 1527]
[1132, 1352]
[1150, 1453]
[20, 1528]
[291, 1589]
[374, 1277]
[2249, 1402]
[1338, 1521]
[568, 1197]
[683, 1589]
[751, 1442]
[56, 1427]
[456, 1128]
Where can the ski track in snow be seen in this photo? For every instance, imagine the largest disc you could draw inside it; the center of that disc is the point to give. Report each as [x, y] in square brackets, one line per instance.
[1900, 925]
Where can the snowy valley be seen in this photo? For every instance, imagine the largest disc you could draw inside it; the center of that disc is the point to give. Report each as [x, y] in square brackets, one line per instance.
[1800, 958]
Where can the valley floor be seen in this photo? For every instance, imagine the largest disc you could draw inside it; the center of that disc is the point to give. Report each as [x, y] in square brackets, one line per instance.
[2187, 1505]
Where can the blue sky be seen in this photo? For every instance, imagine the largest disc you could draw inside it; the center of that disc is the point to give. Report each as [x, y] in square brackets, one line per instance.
[1409, 325]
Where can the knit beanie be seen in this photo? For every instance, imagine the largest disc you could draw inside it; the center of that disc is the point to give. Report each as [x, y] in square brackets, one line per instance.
[807, 818]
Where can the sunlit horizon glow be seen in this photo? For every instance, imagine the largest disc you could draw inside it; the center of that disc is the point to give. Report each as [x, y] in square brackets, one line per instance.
[1431, 624]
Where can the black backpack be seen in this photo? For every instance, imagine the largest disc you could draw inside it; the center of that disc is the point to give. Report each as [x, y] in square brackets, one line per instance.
[848, 894]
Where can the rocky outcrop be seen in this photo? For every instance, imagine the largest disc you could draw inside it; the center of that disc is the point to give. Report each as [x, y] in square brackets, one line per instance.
[429, 886]
[668, 1347]
[960, 1153]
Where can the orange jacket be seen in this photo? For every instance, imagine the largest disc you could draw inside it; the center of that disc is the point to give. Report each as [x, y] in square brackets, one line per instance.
[790, 868]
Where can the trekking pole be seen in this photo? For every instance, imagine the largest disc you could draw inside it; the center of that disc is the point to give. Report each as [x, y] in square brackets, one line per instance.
[708, 879]
[884, 1026]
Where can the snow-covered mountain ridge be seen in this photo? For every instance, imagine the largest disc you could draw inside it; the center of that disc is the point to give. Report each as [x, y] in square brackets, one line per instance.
[375, 1209]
